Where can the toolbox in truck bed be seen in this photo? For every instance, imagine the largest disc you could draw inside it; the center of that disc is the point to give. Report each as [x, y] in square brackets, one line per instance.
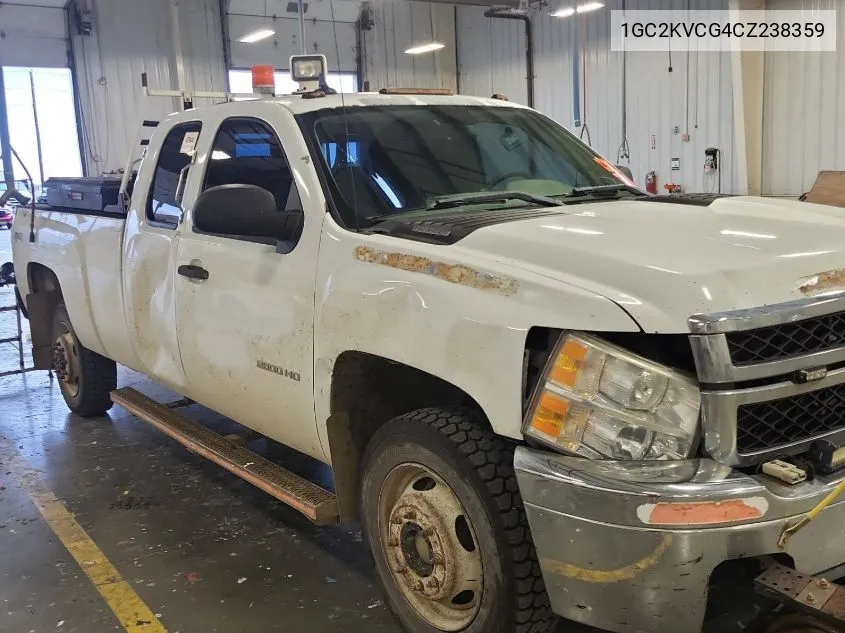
[83, 194]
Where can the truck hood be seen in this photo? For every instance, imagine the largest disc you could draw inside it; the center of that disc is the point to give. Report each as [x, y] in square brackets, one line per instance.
[663, 262]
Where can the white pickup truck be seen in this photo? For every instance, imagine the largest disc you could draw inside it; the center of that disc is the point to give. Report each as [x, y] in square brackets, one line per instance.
[541, 391]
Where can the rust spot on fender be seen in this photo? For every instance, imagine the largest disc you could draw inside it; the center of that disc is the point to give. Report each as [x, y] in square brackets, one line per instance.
[453, 273]
[828, 280]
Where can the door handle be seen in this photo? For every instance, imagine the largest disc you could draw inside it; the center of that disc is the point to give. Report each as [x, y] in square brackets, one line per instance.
[193, 272]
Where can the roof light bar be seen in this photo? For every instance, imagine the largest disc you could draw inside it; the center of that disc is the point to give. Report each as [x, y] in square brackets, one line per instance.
[416, 91]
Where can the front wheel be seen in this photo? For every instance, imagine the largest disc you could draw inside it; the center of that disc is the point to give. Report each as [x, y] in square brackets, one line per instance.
[443, 518]
[86, 379]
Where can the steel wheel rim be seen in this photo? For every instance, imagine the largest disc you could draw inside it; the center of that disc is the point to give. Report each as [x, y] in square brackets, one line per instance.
[430, 547]
[66, 363]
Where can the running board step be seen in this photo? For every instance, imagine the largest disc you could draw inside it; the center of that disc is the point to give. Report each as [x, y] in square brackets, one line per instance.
[307, 497]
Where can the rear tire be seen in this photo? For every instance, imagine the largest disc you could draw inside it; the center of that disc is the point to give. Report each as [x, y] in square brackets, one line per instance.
[443, 518]
[86, 379]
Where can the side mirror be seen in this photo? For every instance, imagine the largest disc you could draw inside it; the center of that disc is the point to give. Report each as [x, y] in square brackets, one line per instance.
[245, 211]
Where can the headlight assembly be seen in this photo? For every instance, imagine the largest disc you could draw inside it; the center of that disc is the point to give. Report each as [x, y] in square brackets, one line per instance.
[600, 401]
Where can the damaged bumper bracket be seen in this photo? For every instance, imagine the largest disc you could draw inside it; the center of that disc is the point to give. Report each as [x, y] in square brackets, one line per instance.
[813, 595]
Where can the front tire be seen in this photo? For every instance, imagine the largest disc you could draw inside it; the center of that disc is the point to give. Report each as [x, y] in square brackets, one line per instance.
[442, 515]
[86, 379]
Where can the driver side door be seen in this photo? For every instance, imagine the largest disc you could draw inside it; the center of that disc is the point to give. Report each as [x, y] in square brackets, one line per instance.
[245, 311]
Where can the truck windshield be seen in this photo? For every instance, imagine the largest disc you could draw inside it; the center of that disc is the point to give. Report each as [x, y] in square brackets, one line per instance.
[381, 161]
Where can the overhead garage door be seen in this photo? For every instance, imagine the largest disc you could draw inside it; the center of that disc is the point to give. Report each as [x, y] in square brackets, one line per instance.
[33, 36]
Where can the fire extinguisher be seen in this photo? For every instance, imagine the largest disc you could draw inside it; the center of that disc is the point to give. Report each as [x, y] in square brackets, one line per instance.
[651, 182]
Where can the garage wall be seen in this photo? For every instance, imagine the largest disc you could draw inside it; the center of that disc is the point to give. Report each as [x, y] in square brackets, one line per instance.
[803, 110]
[398, 25]
[491, 55]
[129, 38]
[329, 30]
[32, 36]
[655, 97]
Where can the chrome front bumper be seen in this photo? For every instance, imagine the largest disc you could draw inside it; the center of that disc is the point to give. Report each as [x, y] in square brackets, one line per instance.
[612, 561]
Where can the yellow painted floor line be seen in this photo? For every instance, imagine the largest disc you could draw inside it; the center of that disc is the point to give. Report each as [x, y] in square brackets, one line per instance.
[134, 615]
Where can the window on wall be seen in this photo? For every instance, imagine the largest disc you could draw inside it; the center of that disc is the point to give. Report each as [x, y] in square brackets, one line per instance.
[51, 91]
[240, 81]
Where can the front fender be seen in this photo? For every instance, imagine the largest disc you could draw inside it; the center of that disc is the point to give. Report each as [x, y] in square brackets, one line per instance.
[434, 309]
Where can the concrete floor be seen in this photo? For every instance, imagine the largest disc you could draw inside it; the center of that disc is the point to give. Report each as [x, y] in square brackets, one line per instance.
[203, 549]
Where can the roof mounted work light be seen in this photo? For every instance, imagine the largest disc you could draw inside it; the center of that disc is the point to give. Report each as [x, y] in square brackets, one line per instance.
[309, 71]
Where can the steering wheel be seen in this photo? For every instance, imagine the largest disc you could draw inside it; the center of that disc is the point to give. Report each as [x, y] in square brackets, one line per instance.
[508, 176]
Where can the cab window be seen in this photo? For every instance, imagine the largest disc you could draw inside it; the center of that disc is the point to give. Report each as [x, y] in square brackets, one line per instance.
[248, 152]
[163, 209]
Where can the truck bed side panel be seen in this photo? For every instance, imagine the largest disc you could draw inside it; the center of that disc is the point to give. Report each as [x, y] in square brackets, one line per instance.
[84, 252]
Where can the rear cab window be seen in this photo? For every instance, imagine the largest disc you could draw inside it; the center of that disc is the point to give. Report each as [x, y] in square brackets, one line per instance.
[174, 160]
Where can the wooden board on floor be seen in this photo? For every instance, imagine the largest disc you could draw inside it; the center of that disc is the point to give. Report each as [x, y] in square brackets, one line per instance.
[829, 188]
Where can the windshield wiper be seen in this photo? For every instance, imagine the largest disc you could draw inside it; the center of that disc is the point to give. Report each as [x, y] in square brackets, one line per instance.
[454, 200]
[603, 190]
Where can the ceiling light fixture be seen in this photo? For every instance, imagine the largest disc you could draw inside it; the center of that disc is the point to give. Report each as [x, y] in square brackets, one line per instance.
[425, 48]
[590, 6]
[257, 36]
[566, 12]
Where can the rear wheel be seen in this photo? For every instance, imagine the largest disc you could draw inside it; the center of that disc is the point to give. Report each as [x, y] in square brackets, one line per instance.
[442, 515]
[86, 379]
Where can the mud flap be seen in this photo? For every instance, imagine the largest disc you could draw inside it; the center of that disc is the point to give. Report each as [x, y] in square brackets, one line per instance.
[41, 307]
[813, 595]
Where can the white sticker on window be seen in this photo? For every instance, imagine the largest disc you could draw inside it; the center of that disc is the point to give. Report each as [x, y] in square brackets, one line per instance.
[189, 143]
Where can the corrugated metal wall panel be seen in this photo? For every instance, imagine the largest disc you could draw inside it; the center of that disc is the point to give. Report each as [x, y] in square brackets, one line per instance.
[131, 38]
[484, 67]
[655, 96]
[400, 24]
[34, 37]
[277, 50]
[803, 109]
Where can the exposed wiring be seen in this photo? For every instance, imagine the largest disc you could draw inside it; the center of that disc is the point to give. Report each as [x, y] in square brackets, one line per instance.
[812, 514]
[695, 88]
[669, 44]
[90, 135]
[584, 128]
[624, 151]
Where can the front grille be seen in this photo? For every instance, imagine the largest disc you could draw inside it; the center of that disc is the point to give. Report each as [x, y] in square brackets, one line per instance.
[787, 340]
[766, 425]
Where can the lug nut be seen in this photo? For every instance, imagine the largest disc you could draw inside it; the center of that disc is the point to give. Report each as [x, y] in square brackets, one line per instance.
[428, 531]
[410, 515]
[811, 598]
[401, 569]
[418, 586]
[432, 584]
[393, 542]
[396, 520]
[823, 583]
[436, 559]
